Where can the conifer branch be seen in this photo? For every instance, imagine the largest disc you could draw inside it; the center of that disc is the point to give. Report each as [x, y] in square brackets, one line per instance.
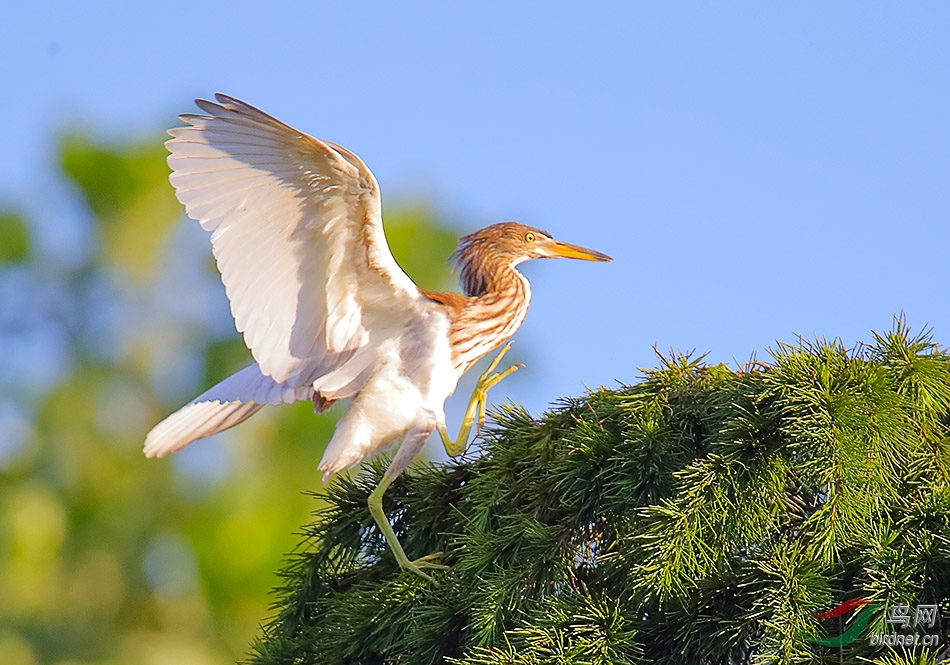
[698, 516]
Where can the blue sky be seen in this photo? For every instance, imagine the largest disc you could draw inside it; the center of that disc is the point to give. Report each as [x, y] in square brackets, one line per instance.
[757, 170]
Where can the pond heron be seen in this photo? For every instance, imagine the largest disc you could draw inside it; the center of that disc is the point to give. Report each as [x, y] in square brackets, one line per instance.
[297, 233]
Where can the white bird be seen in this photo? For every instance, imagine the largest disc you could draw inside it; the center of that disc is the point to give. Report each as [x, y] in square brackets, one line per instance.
[296, 230]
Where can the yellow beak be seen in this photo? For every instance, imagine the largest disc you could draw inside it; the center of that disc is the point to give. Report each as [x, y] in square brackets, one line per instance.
[563, 250]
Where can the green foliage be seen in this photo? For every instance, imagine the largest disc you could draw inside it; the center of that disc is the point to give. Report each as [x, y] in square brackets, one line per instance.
[416, 239]
[699, 516]
[127, 189]
[14, 238]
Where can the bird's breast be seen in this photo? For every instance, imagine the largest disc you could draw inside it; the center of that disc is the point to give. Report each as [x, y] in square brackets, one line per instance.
[426, 357]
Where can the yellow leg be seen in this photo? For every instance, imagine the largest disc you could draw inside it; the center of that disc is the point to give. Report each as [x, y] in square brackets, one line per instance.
[476, 405]
[476, 409]
[375, 503]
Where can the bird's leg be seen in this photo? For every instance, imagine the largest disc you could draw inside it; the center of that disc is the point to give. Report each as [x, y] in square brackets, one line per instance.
[403, 456]
[375, 503]
[476, 405]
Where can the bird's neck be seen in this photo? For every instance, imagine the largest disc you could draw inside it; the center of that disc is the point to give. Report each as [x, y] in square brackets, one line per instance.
[489, 317]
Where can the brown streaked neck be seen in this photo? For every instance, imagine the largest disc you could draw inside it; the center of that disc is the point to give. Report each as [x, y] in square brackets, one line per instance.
[482, 320]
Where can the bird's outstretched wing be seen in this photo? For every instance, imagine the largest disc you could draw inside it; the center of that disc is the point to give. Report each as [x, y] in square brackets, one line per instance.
[297, 234]
[223, 406]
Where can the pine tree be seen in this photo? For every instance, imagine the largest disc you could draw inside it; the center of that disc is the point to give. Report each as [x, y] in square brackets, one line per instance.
[701, 515]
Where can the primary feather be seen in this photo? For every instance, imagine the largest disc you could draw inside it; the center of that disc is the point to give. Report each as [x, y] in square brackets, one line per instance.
[297, 234]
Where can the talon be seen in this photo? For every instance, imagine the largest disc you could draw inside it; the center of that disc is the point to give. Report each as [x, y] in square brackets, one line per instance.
[493, 380]
[486, 382]
[501, 354]
[418, 571]
[427, 561]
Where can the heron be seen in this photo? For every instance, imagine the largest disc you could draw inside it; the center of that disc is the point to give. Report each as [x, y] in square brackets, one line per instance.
[327, 313]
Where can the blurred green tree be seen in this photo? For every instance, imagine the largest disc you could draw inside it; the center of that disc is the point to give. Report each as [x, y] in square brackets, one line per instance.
[106, 557]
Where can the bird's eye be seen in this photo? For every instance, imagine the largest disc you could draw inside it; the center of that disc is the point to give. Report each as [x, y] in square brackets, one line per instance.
[529, 237]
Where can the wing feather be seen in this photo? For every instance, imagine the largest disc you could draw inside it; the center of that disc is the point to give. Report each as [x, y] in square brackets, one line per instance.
[297, 235]
[223, 406]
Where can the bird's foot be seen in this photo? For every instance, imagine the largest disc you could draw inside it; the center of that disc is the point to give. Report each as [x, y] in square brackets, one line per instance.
[489, 379]
[475, 411]
[425, 562]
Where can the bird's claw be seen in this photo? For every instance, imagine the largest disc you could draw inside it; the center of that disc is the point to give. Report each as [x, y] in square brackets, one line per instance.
[477, 404]
[489, 379]
[483, 397]
[497, 359]
[429, 561]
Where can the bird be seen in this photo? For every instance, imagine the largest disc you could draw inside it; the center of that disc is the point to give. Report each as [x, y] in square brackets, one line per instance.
[327, 313]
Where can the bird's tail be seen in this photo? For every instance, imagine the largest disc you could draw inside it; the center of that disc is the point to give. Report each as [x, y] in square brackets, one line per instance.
[228, 403]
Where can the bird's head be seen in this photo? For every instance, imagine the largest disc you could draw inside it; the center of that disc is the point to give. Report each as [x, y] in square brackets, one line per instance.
[515, 243]
[509, 243]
